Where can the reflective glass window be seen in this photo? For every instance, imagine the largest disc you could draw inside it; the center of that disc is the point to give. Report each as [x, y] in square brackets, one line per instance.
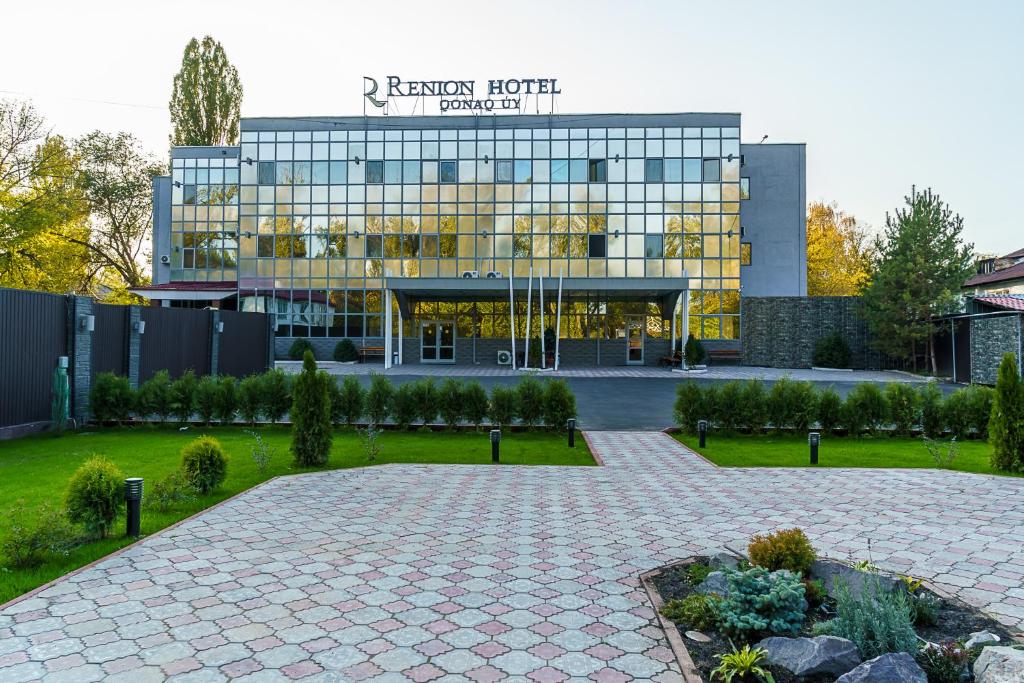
[578, 171]
[374, 172]
[653, 246]
[266, 173]
[691, 170]
[503, 171]
[523, 171]
[673, 170]
[449, 172]
[597, 170]
[339, 173]
[393, 172]
[410, 172]
[559, 170]
[654, 170]
[712, 170]
[597, 246]
[745, 253]
[320, 173]
[744, 188]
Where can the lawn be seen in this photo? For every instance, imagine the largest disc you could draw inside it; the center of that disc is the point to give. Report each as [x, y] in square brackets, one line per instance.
[792, 451]
[35, 470]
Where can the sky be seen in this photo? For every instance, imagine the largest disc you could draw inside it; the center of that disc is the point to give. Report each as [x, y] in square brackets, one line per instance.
[886, 95]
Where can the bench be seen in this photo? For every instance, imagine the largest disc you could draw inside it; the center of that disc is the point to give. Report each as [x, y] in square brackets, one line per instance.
[370, 352]
[671, 361]
[730, 355]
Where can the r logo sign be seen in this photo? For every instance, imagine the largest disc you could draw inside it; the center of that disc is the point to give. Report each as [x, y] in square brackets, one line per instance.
[370, 90]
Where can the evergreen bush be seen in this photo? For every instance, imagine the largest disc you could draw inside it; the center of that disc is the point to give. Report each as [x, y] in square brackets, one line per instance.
[312, 431]
[206, 399]
[711, 404]
[980, 402]
[378, 399]
[276, 396]
[804, 398]
[730, 399]
[183, 396]
[502, 406]
[831, 351]
[761, 603]
[933, 422]
[689, 406]
[781, 404]
[94, 496]
[956, 411]
[788, 549]
[1006, 424]
[337, 401]
[449, 402]
[298, 348]
[204, 464]
[35, 536]
[111, 398]
[404, 408]
[904, 412]
[154, 396]
[754, 406]
[693, 351]
[878, 621]
[475, 404]
[345, 351]
[530, 401]
[865, 406]
[830, 410]
[250, 398]
[227, 399]
[353, 399]
[426, 400]
[559, 404]
[173, 490]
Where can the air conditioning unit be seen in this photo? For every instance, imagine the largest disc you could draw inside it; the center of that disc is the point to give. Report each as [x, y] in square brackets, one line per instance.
[494, 274]
[504, 357]
[471, 273]
[165, 259]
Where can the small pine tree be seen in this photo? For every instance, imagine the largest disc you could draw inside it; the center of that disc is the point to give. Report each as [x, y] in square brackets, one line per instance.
[426, 400]
[311, 416]
[449, 402]
[275, 394]
[475, 406]
[1006, 425]
[353, 399]
[530, 400]
[250, 398]
[227, 399]
[693, 351]
[378, 399]
[206, 399]
[183, 396]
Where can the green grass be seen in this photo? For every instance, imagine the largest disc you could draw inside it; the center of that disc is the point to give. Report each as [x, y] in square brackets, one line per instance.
[792, 451]
[36, 470]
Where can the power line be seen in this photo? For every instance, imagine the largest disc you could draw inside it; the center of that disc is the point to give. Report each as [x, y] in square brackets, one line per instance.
[83, 99]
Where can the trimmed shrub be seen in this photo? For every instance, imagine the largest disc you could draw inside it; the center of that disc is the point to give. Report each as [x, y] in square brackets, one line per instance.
[788, 549]
[781, 407]
[830, 410]
[1006, 425]
[904, 413]
[335, 399]
[250, 398]
[689, 406]
[183, 396]
[111, 398]
[204, 464]
[878, 621]
[298, 348]
[804, 398]
[154, 396]
[378, 399]
[530, 401]
[696, 610]
[426, 399]
[693, 351]
[276, 397]
[831, 351]
[503, 406]
[35, 536]
[559, 403]
[754, 406]
[980, 408]
[865, 406]
[449, 402]
[933, 422]
[226, 405]
[761, 603]
[345, 351]
[173, 490]
[729, 401]
[474, 403]
[353, 399]
[312, 431]
[711, 399]
[94, 496]
[403, 405]
[956, 412]
[206, 399]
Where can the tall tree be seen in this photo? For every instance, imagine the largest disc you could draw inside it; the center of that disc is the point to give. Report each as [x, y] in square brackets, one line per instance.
[116, 177]
[207, 97]
[838, 252]
[920, 264]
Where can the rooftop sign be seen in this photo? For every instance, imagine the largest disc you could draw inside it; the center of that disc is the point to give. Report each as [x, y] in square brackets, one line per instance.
[503, 94]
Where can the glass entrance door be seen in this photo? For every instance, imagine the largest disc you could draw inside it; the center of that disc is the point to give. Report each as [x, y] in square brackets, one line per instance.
[635, 340]
[437, 342]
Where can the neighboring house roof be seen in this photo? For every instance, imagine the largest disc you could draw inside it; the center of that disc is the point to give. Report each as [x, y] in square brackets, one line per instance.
[189, 286]
[1014, 254]
[1011, 302]
[1014, 272]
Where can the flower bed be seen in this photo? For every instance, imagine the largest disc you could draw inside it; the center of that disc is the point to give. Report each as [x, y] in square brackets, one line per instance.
[703, 625]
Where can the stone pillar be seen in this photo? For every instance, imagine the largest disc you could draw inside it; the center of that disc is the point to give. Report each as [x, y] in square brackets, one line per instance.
[134, 345]
[214, 341]
[79, 356]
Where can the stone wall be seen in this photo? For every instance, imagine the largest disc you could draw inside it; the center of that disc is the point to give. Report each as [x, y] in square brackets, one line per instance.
[781, 331]
[991, 338]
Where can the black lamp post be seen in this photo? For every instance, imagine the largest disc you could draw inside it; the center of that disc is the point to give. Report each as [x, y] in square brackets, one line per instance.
[702, 431]
[571, 426]
[814, 439]
[133, 500]
[495, 441]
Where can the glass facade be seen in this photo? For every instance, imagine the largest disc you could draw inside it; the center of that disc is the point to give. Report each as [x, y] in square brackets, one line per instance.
[309, 221]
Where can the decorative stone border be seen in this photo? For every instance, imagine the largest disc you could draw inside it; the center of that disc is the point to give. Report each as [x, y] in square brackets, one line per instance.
[675, 639]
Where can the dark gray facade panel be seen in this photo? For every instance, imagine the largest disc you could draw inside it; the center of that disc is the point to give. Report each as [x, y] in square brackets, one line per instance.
[161, 229]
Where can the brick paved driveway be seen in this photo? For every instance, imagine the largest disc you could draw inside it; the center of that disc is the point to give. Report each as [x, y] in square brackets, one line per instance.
[403, 572]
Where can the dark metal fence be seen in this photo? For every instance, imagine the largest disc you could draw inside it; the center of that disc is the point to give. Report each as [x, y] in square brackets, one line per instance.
[246, 344]
[33, 335]
[110, 340]
[176, 340]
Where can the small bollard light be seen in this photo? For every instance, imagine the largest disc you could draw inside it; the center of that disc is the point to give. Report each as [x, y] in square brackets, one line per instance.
[702, 431]
[813, 439]
[571, 426]
[133, 499]
[495, 440]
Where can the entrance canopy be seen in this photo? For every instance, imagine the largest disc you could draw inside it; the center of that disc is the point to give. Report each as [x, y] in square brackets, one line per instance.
[410, 291]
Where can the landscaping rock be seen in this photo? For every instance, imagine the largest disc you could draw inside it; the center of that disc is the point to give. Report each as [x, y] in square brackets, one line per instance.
[716, 583]
[898, 667]
[999, 665]
[698, 637]
[981, 638]
[812, 656]
[831, 572]
[724, 560]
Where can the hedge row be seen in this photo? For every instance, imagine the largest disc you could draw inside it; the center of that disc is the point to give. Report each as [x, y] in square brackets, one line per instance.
[268, 396]
[797, 406]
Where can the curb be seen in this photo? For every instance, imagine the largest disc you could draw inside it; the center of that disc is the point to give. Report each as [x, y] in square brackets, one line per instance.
[675, 639]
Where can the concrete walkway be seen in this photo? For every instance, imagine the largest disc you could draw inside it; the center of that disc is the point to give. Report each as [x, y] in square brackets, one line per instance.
[484, 573]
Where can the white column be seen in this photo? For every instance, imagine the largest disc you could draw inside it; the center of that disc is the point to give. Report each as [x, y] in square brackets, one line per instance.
[400, 344]
[685, 334]
[543, 350]
[672, 348]
[387, 326]
[558, 319]
[512, 318]
[529, 314]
